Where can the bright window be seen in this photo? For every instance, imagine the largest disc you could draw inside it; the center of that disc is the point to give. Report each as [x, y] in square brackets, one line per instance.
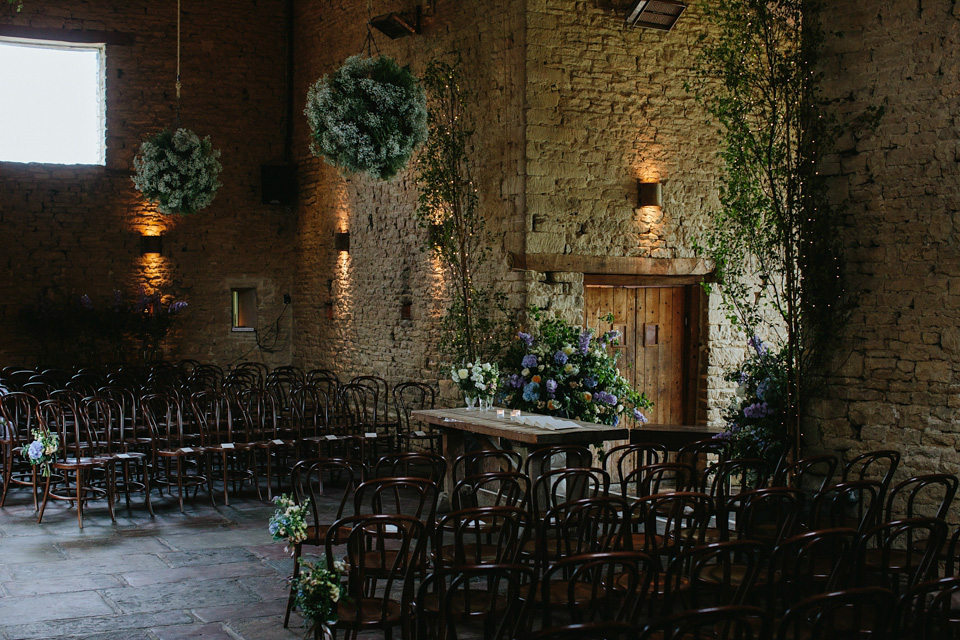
[52, 106]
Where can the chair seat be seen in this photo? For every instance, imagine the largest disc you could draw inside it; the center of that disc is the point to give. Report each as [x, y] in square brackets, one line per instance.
[381, 613]
[475, 554]
[898, 560]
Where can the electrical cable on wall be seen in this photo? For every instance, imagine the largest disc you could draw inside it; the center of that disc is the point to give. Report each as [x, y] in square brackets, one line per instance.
[274, 328]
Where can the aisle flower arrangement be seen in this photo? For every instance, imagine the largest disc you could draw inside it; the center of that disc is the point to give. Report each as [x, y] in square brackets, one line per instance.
[289, 522]
[319, 590]
[42, 450]
[563, 370]
[756, 417]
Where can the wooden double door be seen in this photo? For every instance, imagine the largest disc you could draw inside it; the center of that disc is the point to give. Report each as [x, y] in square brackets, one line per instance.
[660, 343]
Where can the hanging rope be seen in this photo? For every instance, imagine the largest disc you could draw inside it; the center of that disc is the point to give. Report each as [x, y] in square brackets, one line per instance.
[369, 43]
[178, 63]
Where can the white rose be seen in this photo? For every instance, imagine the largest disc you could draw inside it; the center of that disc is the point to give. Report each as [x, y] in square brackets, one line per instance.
[619, 408]
[525, 372]
[486, 366]
[481, 386]
[464, 374]
[568, 350]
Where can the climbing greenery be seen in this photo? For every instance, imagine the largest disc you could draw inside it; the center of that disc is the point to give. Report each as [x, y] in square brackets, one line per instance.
[368, 117]
[774, 238]
[476, 325]
[177, 171]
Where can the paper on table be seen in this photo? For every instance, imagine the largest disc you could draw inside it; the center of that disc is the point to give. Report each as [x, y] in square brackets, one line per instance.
[546, 422]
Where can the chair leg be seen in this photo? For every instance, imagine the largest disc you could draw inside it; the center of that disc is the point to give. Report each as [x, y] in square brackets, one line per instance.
[111, 473]
[80, 497]
[46, 497]
[297, 549]
[146, 487]
[226, 481]
[126, 480]
[179, 484]
[269, 475]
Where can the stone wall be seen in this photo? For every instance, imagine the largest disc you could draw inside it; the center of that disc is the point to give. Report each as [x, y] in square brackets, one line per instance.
[896, 383]
[70, 230]
[350, 316]
[606, 106]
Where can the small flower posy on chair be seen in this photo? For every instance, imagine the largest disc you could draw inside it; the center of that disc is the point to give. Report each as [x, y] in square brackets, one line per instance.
[319, 590]
[289, 522]
[42, 450]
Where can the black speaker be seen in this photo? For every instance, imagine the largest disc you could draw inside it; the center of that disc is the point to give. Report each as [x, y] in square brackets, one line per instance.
[278, 183]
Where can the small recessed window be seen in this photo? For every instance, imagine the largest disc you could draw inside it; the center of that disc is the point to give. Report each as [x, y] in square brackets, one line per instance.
[53, 107]
[244, 309]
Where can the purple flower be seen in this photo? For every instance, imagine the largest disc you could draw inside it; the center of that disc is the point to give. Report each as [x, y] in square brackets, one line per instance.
[756, 410]
[758, 345]
[560, 357]
[529, 361]
[742, 378]
[516, 381]
[527, 338]
[86, 303]
[585, 342]
[605, 397]
[639, 417]
[177, 307]
[589, 382]
[763, 388]
[36, 450]
[551, 386]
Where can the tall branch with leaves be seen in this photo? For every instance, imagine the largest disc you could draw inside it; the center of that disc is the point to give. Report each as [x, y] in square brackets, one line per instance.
[448, 209]
[774, 239]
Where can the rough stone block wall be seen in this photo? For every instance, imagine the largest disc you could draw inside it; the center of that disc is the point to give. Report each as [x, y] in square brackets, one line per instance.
[70, 230]
[606, 106]
[351, 321]
[895, 381]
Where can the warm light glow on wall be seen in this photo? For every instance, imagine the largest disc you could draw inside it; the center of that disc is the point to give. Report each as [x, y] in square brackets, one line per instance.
[437, 286]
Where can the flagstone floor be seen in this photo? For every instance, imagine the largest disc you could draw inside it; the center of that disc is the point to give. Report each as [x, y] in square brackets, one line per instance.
[212, 572]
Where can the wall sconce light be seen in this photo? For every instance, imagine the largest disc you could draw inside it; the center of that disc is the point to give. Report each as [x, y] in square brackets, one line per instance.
[151, 245]
[341, 241]
[398, 25]
[406, 311]
[649, 194]
[654, 14]
[328, 308]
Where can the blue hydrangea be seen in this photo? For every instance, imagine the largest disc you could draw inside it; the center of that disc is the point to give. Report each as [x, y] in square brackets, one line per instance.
[529, 361]
[589, 382]
[531, 392]
[36, 450]
[585, 342]
[551, 386]
[560, 357]
[642, 419]
[527, 338]
[756, 410]
[763, 388]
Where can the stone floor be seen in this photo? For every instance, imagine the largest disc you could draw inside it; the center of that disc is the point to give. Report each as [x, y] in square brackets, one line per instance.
[212, 572]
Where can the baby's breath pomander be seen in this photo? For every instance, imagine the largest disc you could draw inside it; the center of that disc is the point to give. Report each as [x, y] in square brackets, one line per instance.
[177, 171]
[368, 117]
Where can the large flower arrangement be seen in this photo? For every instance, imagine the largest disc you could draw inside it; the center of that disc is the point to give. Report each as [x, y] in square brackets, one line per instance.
[369, 116]
[177, 171]
[756, 419]
[563, 370]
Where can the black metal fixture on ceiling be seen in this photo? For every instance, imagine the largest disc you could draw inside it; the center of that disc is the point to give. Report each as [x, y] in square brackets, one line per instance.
[654, 14]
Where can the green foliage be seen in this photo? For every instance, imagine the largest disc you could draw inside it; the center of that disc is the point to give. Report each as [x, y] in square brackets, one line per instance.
[16, 4]
[177, 171]
[369, 116]
[774, 240]
[563, 370]
[475, 326]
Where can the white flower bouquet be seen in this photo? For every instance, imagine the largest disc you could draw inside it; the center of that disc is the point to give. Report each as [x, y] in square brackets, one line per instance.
[177, 171]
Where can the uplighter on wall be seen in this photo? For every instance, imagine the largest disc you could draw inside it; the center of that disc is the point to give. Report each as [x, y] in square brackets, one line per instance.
[151, 245]
[649, 194]
[341, 241]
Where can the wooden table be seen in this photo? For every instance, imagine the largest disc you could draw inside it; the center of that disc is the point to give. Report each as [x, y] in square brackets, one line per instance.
[491, 432]
[672, 436]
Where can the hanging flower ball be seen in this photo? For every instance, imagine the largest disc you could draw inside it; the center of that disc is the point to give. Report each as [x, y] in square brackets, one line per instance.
[177, 171]
[369, 116]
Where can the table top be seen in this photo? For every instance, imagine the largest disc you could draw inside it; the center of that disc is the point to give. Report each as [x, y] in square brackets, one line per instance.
[487, 423]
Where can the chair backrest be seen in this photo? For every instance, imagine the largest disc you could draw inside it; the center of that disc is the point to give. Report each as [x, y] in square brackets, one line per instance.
[855, 503]
[485, 460]
[622, 459]
[728, 478]
[597, 587]
[357, 407]
[900, 554]
[495, 488]
[62, 419]
[653, 479]
[481, 535]
[555, 487]
[104, 425]
[412, 496]
[450, 601]
[205, 377]
[927, 611]
[311, 410]
[702, 454]
[810, 563]
[382, 554]
[382, 391]
[840, 615]
[213, 414]
[582, 526]
[925, 495]
[732, 622]
[260, 414]
[812, 474]
[873, 465]
[412, 396]
[19, 413]
[721, 573]
[665, 524]
[164, 416]
[768, 515]
[412, 464]
[318, 478]
[557, 457]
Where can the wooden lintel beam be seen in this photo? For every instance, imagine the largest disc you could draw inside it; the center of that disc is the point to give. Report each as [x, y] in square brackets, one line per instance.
[612, 265]
[78, 36]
